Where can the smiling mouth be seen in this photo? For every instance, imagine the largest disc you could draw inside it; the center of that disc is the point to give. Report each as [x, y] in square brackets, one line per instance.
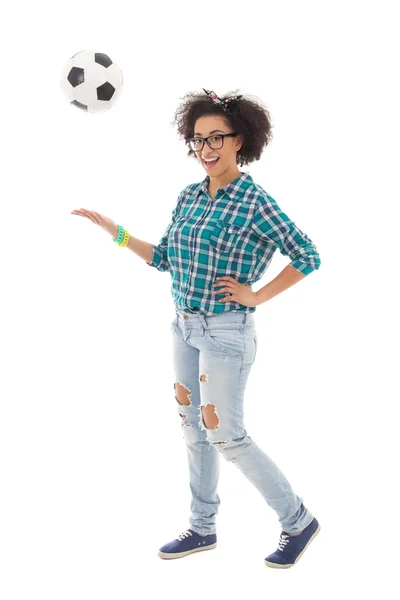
[210, 163]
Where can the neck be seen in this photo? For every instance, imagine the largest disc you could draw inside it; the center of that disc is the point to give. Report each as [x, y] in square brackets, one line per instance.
[224, 178]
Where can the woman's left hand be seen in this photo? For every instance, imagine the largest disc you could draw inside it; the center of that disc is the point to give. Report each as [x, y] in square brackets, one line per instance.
[239, 292]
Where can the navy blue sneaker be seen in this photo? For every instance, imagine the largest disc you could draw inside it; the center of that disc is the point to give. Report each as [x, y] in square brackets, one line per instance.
[291, 547]
[188, 542]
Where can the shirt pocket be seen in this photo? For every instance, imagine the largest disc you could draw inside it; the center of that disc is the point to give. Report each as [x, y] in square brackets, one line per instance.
[225, 236]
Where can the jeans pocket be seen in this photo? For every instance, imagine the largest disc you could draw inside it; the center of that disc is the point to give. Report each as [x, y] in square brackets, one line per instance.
[227, 341]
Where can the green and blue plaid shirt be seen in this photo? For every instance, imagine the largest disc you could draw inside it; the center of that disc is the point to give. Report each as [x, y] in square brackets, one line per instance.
[235, 233]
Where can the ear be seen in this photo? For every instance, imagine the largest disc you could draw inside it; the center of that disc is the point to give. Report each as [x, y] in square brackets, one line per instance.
[238, 143]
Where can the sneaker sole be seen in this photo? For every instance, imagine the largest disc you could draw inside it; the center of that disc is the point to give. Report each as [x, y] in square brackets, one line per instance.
[167, 555]
[277, 566]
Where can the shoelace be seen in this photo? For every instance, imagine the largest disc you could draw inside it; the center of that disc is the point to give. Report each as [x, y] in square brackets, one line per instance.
[186, 533]
[283, 541]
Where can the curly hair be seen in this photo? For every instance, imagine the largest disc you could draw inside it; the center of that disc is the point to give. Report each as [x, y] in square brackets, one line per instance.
[247, 117]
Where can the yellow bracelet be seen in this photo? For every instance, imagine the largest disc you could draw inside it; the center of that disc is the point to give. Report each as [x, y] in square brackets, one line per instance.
[125, 239]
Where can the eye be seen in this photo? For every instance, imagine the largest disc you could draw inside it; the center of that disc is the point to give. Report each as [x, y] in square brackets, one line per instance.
[195, 143]
[217, 138]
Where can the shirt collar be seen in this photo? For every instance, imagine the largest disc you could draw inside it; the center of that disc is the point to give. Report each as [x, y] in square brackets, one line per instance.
[235, 189]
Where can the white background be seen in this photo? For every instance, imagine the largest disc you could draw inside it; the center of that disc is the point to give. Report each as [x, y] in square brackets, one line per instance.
[93, 469]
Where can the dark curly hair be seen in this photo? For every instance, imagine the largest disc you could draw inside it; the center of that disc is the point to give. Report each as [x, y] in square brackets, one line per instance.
[246, 116]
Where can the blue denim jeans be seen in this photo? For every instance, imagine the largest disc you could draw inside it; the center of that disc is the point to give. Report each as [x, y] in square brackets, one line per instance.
[212, 359]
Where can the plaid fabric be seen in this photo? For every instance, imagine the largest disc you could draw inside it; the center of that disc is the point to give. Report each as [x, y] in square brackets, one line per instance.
[236, 233]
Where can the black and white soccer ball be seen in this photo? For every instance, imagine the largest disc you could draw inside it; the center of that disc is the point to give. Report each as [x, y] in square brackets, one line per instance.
[91, 81]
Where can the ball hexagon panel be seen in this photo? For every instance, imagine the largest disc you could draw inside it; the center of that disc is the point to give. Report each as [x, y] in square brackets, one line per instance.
[85, 93]
[83, 59]
[114, 76]
[96, 75]
[99, 106]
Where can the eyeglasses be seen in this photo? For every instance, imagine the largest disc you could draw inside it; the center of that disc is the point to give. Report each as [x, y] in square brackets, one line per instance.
[214, 141]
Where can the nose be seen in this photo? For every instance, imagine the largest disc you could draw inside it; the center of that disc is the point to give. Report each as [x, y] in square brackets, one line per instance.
[207, 151]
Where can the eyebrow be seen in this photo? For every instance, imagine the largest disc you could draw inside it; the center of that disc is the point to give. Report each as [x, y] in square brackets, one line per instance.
[211, 132]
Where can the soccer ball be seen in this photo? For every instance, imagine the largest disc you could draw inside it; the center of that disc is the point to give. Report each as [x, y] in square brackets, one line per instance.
[91, 81]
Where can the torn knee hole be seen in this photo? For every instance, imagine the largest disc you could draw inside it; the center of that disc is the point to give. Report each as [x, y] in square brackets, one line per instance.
[210, 417]
[182, 394]
[204, 378]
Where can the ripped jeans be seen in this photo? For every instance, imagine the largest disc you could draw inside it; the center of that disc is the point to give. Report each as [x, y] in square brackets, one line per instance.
[212, 359]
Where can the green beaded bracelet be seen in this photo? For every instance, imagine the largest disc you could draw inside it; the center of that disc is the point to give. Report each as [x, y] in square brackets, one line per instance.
[120, 235]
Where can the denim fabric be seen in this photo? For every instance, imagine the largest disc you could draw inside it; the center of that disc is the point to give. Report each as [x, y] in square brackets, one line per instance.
[212, 357]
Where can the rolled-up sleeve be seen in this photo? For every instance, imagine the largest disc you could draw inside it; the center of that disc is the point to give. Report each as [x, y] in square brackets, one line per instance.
[275, 227]
[159, 258]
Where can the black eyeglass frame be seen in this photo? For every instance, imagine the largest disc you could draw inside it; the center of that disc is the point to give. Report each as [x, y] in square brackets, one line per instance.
[222, 135]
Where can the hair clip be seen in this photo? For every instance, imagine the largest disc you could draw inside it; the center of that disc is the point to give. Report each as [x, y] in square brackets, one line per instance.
[225, 104]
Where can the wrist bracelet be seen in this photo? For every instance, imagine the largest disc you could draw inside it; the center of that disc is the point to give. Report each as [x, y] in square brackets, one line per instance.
[122, 238]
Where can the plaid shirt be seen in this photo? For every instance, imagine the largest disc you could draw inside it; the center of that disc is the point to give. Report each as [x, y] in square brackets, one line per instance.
[236, 233]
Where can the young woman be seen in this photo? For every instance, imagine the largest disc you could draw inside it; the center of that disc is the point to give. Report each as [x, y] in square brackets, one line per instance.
[221, 239]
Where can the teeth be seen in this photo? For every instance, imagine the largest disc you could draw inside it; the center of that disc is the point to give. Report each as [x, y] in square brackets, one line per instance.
[210, 159]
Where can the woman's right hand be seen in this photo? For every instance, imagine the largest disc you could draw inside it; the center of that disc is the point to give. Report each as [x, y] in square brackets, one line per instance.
[98, 219]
